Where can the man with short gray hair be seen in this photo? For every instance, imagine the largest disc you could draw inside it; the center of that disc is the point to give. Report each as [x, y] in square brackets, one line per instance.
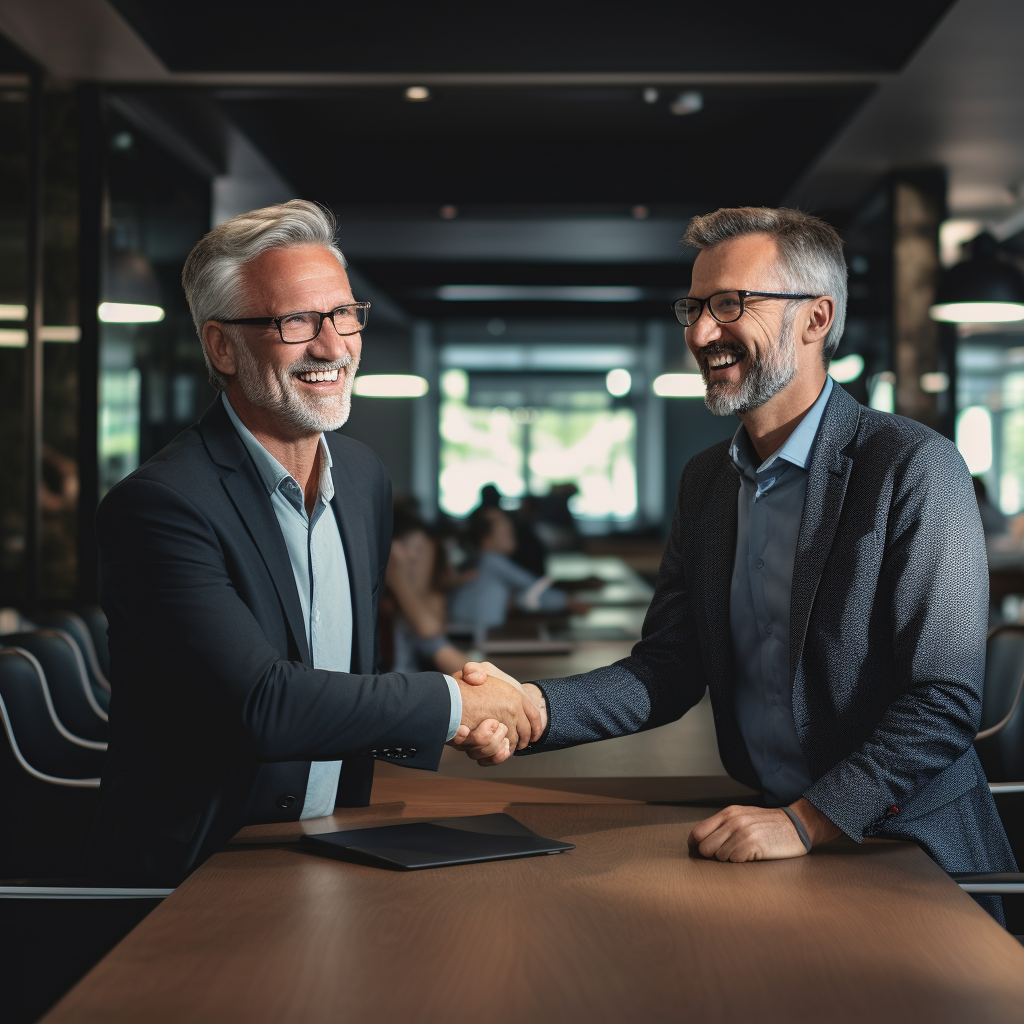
[825, 577]
[241, 568]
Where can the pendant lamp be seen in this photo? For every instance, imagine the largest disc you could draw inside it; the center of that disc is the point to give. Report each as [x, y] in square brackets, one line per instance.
[983, 289]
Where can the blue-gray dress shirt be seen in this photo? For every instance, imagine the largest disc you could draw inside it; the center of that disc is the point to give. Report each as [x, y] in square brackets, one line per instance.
[317, 558]
[771, 503]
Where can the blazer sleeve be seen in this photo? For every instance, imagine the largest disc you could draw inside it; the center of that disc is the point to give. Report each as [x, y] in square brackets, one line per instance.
[935, 580]
[660, 681]
[166, 574]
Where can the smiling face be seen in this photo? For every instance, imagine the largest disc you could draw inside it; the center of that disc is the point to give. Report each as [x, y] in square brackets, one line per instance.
[306, 387]
[747, 362]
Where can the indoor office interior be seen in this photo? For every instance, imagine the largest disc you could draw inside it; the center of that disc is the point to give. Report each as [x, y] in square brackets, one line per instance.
[511, 189]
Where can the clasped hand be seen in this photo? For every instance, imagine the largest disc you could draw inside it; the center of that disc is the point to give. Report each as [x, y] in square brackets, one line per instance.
[499, 714]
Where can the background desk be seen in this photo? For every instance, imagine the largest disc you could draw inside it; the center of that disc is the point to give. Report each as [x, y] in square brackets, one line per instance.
[625, 927]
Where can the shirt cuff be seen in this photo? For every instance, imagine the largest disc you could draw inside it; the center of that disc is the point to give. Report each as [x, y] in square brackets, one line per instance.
[456, 716]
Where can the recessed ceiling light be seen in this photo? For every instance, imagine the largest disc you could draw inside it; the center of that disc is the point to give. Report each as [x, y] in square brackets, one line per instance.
[417, 93]
[689, 102]
[650, 95]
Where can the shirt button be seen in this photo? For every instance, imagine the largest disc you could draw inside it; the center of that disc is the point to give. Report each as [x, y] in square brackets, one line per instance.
[768, 629]
[760, 563]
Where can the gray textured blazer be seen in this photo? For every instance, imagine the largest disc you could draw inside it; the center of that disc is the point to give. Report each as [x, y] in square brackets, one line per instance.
[887, 637]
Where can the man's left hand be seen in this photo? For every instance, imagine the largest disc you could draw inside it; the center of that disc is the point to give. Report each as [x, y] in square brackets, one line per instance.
[740, 834]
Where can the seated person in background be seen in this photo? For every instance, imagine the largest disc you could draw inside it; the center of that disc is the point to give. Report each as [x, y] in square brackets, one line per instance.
[413, 580]
[483, 602]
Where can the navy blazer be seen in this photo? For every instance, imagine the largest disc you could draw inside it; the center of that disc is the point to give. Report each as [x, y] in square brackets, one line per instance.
[215, 712]
[887, 636]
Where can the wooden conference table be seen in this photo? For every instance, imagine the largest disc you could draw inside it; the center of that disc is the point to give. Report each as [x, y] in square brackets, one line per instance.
[625, 927]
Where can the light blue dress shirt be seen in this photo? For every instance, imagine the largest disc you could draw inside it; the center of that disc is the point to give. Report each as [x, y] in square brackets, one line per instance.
[317, 557]
[770, 507]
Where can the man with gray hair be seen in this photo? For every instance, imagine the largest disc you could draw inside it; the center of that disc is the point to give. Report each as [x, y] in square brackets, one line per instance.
[825, 577]
[242, 567]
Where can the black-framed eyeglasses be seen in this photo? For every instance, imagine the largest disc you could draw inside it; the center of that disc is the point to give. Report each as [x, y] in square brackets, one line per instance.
[296, 328]
[725, 307]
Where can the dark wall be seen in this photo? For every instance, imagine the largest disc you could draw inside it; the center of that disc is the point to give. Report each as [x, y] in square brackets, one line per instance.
[385, 424]
[689, 429]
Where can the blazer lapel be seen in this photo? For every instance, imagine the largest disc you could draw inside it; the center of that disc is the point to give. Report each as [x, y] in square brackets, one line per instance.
[250, 498]
[353, 524]
[716, 544]
[828, 475]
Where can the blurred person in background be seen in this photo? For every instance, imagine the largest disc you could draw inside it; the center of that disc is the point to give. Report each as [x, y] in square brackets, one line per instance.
[483, 603]
[417, 571]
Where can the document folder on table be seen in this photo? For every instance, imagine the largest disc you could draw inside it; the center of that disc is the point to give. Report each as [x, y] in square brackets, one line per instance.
[408, 846]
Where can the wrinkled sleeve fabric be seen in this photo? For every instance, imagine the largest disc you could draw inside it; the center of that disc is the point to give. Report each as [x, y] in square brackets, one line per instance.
[662, 678]
[935, 573]
[166, 572]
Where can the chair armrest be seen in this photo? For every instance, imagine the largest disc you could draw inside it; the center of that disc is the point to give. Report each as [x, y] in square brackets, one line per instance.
[1006, 787]
[1006, 883]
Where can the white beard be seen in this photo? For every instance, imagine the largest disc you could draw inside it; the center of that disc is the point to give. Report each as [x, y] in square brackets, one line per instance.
[278, 391]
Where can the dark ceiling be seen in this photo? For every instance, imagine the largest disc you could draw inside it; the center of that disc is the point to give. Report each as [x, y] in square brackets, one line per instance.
[510, 150]
[323, 35]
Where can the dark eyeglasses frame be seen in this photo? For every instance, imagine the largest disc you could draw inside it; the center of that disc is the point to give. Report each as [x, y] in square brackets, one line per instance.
[266, 321]
[743, 293]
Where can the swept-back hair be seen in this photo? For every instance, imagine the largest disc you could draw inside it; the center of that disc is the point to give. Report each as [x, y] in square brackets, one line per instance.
[810, 252]
[212, 273]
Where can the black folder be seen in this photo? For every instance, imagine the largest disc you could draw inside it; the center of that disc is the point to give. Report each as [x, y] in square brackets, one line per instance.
[408, 846]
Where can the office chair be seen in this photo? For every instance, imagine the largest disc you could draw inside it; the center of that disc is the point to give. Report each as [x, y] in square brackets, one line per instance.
[1000, 744]
[66, 677]
[50, 816]
[43, 740]
[96, 622]
[75, 627]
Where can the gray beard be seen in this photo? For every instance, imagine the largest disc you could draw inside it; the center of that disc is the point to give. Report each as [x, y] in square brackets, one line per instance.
[767, 376]
[278, 391]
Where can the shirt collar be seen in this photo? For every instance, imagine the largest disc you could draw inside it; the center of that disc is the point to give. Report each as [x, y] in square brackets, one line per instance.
[796, 449]
[272, 473]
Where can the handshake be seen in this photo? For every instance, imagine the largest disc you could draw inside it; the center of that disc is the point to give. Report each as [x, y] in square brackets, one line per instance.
[499, 714]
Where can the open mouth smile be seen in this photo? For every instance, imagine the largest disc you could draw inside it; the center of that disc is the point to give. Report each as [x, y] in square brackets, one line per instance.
[318, 376]
[723, 360]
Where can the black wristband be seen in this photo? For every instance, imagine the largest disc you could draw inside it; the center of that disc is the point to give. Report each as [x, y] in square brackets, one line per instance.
[799, 826]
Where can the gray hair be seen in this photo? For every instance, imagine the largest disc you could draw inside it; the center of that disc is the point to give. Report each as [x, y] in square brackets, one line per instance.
[810, 253]
[212, 273]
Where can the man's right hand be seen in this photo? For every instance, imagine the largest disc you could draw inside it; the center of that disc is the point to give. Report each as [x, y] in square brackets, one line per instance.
[496, 699]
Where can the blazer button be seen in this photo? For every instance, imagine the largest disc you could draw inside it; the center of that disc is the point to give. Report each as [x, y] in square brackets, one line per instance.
[284, 802]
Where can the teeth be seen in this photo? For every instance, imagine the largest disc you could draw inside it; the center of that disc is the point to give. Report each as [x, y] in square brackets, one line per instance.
[317, 375]
[722, 359]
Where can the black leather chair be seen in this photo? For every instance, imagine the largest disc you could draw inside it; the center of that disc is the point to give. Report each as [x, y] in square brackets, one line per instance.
[42, 739]
[1000, 746]
[76, 628]
[48, 817]
[96, 622]
[64, 669]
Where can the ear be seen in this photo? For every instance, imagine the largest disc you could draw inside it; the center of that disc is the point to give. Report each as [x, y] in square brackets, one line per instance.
[219, 347]
[820, 315]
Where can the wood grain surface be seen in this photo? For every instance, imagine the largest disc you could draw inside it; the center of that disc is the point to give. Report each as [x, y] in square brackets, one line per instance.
[626, 927]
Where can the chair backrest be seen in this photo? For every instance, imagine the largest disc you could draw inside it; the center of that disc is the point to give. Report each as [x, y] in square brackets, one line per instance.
[96, 622]
[43, 740]
[65, 674]
[48, 818]
[1000, 743]
[75, 627]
